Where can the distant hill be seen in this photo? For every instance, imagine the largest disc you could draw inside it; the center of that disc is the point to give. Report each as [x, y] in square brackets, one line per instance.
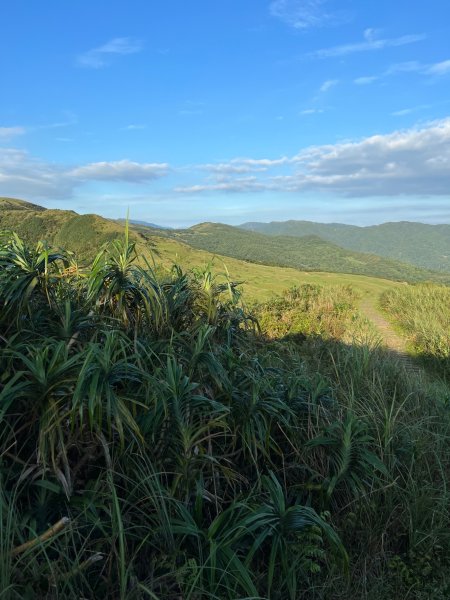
[144, 223]
[85, 234]
[16, 204]
[308, 253]
[427, 246]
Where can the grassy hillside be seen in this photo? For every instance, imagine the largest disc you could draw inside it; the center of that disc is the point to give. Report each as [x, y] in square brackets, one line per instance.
[260, 282]
[193, 248]
[309, 253]
[427, 246]
[84, 235]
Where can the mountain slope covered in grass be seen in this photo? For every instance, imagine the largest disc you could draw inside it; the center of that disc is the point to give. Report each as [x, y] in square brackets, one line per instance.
[308, 253]
[426, 246]
[259, 281]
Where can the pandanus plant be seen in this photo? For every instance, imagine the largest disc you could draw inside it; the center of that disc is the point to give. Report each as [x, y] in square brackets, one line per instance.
[30, 277]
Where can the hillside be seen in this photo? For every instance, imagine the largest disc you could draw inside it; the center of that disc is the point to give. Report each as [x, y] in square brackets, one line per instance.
[426, 246]
[85, 234]
[81, 234]
[308, 253]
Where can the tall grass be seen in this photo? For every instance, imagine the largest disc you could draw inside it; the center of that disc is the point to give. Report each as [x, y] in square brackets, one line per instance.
[195, 453]
[423, 311]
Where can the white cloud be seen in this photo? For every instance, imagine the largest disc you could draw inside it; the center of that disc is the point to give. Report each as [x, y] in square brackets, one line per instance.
[405, 163]
[365, 80]
[229, 169]
[408, 111]
[99, 57]
[300, 14]
[438, 69]
[7, 133]
[403, 112]
[134, 127]
[121, 170]
[305, 14]
[370, 43]
[410, 162]
[312, 111]
[328, 84]
[240, 166]
[441, 68]
[25, 176]
[22, 175]
[261, 162]
[239, 184]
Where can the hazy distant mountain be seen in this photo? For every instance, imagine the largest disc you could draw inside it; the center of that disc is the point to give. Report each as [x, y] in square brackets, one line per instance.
[144, 223]
[426, 246]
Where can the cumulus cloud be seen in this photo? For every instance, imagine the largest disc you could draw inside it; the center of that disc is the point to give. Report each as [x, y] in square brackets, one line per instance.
[24, 175]
[100, 57]
[7, 133]
[415, 161]
[403, 163]
[370, 42]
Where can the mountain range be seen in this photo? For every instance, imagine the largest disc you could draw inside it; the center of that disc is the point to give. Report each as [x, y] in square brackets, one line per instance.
[426, 246]
[85, 234]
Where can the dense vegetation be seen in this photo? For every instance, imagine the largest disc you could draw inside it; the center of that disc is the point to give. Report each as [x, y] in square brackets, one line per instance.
[426, 246]
[310, 253]
[176, 452]
[423, 312]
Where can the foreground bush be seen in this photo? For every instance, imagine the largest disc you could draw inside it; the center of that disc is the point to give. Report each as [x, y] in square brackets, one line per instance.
[153, 444]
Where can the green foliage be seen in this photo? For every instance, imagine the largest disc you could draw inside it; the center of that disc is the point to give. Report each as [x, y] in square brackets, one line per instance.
[195, 453]
[308, 310]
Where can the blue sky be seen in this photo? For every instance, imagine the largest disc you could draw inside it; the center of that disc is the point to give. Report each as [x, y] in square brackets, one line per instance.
[232, 110]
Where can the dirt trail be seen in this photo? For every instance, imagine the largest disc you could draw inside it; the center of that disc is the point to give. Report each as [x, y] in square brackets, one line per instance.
[391, 339]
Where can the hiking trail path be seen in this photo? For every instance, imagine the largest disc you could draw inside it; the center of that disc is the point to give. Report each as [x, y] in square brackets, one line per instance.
[391, 340]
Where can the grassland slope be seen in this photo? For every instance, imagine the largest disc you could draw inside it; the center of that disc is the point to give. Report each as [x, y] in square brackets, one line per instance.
[309, 253]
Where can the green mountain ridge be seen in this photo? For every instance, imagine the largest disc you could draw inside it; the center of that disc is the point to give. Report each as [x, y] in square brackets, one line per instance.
[85, 234]
[307, 253]
[426, 246]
